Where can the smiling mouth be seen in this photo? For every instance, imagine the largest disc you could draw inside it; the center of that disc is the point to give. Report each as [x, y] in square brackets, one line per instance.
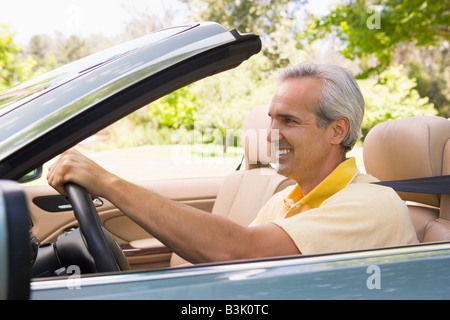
[283, 152]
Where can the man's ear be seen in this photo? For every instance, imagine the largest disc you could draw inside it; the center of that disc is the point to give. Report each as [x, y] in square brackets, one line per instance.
[339, 130]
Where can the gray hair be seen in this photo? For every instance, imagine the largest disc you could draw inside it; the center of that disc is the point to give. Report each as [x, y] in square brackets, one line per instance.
[340, 97]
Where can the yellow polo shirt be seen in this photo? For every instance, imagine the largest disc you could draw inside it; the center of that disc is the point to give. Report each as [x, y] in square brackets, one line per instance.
[344, 212]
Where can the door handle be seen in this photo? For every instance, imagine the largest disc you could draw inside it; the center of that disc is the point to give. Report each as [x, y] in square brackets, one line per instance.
[59, 203]
[96, 201]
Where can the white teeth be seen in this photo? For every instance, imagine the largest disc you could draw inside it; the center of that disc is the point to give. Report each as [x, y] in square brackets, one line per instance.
[284, 151]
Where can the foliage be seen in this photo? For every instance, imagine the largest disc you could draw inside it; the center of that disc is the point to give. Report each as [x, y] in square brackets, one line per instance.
[51, 53]
[381, 33]
[14, 67]
[256, 16]
[153, 124]
[433, 76]
[225, 99]
[275, 21]
[216, 106]
[174, 111]
[73, 49]
[392, 97]
[41, 48]
[374, 28]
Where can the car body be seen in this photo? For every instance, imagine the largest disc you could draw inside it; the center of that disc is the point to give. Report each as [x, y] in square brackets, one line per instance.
[46, 116]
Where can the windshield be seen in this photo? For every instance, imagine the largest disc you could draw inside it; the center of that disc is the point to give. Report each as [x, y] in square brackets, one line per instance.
[17, 95]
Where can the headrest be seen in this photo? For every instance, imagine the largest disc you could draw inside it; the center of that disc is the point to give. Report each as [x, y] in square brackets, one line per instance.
[407, 148]
[254, 137]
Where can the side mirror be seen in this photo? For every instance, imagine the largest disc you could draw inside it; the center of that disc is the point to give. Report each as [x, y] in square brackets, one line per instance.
[32, 175]
[14, 242]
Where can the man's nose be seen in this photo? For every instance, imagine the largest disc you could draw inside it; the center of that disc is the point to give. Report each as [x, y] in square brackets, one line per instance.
[273, 134]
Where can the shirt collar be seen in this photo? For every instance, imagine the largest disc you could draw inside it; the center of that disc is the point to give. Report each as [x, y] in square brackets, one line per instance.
[338, 179]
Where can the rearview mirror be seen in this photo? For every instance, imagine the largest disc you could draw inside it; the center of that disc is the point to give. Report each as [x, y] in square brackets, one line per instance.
[32, 175]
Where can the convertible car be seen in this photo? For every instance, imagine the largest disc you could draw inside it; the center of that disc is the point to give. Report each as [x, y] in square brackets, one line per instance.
[85, 248]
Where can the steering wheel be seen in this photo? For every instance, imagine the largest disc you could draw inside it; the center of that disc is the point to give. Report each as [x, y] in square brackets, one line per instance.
[105, 251]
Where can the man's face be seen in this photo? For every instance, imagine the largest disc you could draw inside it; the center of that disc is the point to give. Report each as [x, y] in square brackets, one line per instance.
[303, 148]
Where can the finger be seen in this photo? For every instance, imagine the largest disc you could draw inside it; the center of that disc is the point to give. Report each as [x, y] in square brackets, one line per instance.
[59, 172]
[55, 182]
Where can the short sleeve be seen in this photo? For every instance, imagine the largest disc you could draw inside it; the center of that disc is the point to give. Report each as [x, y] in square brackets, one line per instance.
[360, 216]
[273, 209]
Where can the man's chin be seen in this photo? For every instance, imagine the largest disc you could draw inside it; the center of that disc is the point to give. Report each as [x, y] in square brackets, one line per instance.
[281, 169]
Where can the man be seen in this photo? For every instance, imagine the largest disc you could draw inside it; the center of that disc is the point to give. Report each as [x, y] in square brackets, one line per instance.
[318, 111]
[316, 118]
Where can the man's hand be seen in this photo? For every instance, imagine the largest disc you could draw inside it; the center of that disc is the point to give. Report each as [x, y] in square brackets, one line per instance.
[74, 167]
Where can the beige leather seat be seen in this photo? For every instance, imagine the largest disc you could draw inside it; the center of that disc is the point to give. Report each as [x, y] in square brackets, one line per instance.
[244, 192]
[410, 148]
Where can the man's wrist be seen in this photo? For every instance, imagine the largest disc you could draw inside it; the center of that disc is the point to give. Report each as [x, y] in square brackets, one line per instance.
[109, 183]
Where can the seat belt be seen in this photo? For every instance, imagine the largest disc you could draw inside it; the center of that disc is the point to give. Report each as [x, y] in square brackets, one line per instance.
[433, 185]
[240, 164]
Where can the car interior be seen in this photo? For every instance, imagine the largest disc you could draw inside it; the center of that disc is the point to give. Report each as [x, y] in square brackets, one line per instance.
[258, 182]
[412, 148]
[226, 196]
[390, 153]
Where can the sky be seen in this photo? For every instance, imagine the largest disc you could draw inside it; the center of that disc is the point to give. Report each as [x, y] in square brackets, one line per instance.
[84, 17]
[71, 17]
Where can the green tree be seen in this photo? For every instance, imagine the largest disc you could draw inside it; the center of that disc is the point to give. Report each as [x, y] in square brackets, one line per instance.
[275, 21]
[430, 67]
[155, 123]
[223, 100]
[256, 16]
[40, 47]
[72, 49]
[173, 111]
[372, 30]
[391, 97]
[14, 67]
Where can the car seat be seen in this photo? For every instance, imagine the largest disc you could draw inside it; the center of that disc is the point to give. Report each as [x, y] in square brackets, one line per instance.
[244, 192]
[409, 148]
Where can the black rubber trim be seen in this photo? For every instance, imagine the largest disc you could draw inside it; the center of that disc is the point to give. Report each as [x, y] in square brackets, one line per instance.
[18, 224]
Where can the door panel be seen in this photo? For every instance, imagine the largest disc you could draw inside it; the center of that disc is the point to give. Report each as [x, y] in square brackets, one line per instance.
[141, 249]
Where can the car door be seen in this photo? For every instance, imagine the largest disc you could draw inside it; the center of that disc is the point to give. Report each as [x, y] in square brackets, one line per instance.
[190, 173]
[52, 216]
[175, 171]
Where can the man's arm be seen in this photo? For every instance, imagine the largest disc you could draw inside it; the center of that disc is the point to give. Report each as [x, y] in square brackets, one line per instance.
[195, 235]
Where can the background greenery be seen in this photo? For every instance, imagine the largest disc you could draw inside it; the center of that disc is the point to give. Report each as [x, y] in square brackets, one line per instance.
[397, 49]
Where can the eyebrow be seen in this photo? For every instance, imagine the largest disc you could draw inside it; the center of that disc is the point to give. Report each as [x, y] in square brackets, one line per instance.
[285, 116]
